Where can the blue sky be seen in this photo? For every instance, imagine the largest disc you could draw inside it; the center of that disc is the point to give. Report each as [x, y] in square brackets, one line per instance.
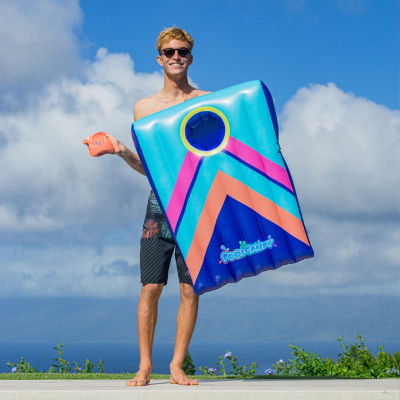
[70, 225]
[287, 44]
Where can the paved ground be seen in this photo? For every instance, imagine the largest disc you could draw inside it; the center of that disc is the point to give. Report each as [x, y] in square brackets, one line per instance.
[365, 389]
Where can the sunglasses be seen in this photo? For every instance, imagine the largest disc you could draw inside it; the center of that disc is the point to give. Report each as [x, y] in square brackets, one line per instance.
[182, 52]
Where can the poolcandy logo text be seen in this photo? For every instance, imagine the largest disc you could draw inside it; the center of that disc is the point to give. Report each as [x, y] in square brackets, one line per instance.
[246, 250]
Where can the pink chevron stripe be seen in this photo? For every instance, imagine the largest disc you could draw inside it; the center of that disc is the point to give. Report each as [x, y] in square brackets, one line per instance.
[258, 161]
[181, 188]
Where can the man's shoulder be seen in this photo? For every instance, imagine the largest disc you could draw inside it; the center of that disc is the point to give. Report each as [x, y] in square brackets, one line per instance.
[144, 107]
[198, 92]
[146, 100]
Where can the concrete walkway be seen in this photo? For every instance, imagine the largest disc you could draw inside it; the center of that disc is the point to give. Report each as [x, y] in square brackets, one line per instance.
[365, 389]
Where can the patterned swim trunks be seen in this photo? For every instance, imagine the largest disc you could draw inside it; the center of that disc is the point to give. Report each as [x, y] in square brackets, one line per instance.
[156, 247]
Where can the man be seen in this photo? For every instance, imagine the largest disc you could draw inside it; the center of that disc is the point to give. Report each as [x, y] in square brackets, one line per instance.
[174, 47]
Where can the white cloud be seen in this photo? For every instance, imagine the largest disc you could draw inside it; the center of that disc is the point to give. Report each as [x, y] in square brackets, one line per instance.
[69, 271]
[50, 172]
[38, 41]
[12, 222]
[342, 152]
[63, 214]
[61, 270]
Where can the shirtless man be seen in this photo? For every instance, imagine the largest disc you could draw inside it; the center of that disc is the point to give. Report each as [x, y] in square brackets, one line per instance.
[174, 46]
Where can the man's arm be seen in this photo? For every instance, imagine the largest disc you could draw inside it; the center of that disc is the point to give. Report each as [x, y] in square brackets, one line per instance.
[140, 110]
[131, 159]
[128, 156]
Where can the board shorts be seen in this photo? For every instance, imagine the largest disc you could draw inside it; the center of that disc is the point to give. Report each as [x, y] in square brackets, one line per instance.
[156, 247]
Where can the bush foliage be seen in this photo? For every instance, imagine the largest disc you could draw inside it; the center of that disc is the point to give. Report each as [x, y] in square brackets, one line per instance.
[60, 365]
[188, 365]
[355, 361]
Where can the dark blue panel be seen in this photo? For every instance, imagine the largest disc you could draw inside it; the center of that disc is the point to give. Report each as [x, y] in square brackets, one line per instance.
[239, 223]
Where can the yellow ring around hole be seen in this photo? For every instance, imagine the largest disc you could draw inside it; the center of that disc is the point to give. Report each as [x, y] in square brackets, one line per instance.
[202, 152]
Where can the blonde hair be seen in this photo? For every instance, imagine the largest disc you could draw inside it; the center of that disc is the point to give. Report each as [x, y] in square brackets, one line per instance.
[173, 33]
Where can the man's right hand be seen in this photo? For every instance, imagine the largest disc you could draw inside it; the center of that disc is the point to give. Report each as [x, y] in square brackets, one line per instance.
[114, 146]
[118, 147]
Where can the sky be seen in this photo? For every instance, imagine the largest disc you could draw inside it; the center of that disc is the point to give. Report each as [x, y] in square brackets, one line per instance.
[70, 224]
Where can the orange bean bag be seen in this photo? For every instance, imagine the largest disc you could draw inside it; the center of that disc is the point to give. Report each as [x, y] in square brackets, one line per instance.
[99, 144]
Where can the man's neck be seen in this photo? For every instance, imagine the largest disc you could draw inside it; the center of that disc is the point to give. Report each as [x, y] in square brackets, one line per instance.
[176, 88]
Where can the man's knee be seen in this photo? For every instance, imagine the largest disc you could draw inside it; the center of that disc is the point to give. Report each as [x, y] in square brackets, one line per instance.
[152, 290]
[187, 293]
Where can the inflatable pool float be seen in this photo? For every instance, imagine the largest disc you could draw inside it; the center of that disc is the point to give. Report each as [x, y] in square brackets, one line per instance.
[215, 166]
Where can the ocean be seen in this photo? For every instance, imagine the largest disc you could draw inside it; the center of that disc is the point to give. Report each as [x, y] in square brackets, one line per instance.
[124, 357]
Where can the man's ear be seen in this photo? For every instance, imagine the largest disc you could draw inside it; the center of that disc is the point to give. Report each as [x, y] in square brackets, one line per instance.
[159, 60]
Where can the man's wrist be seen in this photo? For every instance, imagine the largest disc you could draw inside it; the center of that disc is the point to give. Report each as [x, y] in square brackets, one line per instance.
[123, 151]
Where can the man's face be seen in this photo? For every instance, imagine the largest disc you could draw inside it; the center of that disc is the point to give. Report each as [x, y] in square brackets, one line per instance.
[176, 64]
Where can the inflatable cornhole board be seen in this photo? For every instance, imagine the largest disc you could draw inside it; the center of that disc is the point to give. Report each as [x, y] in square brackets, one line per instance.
[216, 169]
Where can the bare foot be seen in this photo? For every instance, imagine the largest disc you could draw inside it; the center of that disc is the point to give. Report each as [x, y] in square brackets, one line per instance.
[179, 377]
[142, 378]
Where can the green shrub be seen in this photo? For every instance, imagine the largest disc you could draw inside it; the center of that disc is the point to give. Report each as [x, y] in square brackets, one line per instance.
[60, 365]
[188, 365]
[355, 360]
[236, 370]
[23, 366]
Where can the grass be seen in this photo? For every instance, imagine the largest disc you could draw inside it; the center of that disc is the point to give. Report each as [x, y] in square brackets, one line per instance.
[126, 376]
[44, 375]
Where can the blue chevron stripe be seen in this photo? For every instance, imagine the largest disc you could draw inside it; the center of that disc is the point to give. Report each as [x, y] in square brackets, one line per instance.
[237, 222]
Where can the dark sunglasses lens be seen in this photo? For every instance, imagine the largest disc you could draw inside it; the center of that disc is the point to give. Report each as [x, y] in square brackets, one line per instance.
[183, 52]
[169, 52]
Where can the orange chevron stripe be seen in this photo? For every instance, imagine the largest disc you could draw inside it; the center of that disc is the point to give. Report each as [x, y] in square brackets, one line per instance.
[222, 186]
